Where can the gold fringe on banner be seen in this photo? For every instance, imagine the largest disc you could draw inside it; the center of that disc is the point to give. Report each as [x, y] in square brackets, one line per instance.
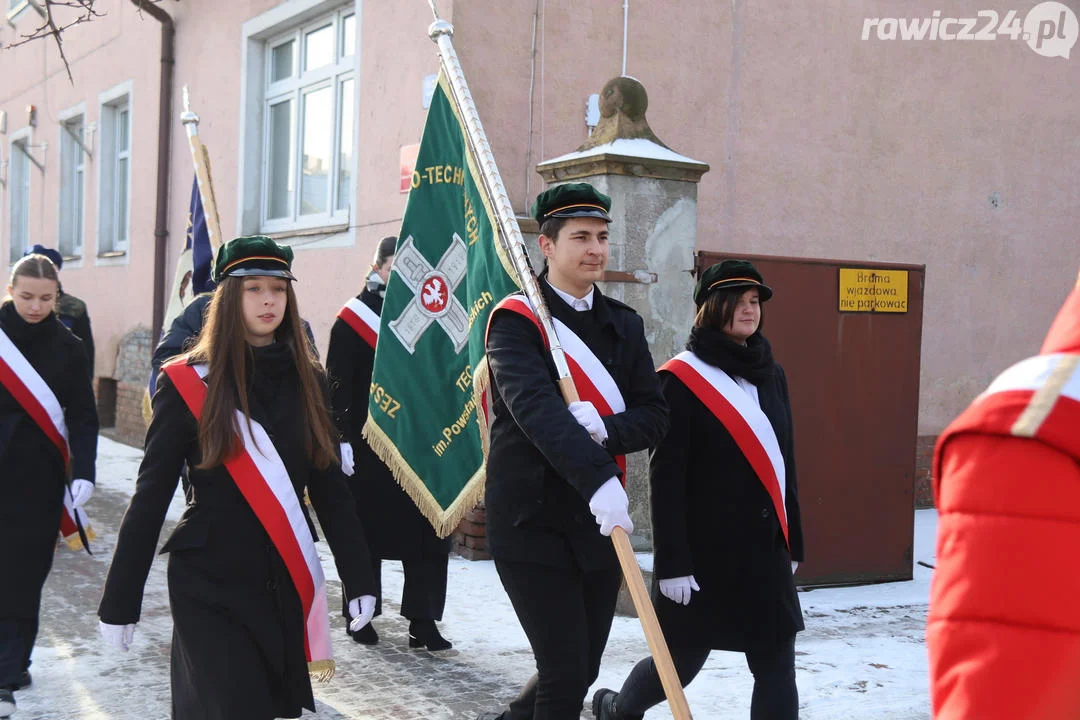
[443, 521]
[482, 384]
[321, 671]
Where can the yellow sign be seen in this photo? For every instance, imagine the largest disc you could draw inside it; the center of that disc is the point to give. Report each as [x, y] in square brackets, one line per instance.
[866, 290]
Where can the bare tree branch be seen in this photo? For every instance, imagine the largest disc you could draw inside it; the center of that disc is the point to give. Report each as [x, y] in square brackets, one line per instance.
[85, 11]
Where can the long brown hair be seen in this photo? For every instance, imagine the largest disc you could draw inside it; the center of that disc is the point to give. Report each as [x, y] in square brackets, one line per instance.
[719, 308]
[223, 348]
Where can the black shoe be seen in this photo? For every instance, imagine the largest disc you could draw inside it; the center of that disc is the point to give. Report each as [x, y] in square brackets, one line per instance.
[365, 635]
[423, 633]
[603, 701]
[7, 703]
[24, 681]
[603, 706]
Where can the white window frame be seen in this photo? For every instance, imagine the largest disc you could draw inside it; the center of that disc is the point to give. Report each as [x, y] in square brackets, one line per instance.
[25, 138]
[292, 20]
[70, 150]
[111, 247]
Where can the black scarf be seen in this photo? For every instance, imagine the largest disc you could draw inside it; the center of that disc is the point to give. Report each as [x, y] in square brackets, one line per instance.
[753, 361]
[23, 333]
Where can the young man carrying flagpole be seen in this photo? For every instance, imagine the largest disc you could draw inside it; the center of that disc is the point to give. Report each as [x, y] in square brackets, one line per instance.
[553, 471]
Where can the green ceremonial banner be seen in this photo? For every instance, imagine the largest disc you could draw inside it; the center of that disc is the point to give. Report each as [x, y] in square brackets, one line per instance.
[449, 272]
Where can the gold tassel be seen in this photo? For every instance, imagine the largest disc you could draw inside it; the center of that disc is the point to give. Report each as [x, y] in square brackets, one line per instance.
[321, 671]
[147, 410]
[445, 521]
[74, 542]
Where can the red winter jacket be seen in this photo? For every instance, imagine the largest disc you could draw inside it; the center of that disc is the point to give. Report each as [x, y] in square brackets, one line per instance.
[1003, 631]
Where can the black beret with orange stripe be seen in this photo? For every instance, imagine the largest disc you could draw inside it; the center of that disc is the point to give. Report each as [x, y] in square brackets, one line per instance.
[253, 255]
[571, 200]
[728, 274]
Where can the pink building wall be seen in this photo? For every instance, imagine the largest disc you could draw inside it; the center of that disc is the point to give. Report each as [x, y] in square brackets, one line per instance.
[121, 48]
[825, 145]
[821, 144]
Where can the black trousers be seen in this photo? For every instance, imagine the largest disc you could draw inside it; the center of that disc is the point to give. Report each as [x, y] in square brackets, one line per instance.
[775, 694]
[566, 614]
[424, 594]
[16, 643]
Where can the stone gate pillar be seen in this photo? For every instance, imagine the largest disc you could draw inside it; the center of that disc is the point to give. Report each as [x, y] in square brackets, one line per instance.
[653, 191]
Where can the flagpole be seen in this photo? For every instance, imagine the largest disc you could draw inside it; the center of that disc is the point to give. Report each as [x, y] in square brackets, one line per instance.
[441, 32]
[201, 158]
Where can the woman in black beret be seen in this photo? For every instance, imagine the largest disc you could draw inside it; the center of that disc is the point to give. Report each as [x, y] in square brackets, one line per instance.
[248, 411]
[726, 528]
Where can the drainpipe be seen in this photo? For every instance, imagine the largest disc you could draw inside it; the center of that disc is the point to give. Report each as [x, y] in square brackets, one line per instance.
[161, 221]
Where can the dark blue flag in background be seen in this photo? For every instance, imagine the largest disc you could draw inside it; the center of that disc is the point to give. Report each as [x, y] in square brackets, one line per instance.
[198, 241]
[193, 271]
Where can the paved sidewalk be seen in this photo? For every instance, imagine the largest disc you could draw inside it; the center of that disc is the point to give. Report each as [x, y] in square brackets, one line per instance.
[862, 655]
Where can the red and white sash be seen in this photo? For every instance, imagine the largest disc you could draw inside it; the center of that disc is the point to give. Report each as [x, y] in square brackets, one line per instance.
[262, 478]
[592, 380]
[743, 418]
[31, 391]
[362, 319]
[1037, 398]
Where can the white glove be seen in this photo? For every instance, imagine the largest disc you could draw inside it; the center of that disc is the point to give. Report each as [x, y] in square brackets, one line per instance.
[347, 459]
[119, 636]
[678, 590]
[361, 610]
[609, 504]
[587, 416]
[794, 566]
[81, 490]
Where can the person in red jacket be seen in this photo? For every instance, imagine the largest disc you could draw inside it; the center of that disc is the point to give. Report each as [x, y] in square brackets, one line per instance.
[1003, 630]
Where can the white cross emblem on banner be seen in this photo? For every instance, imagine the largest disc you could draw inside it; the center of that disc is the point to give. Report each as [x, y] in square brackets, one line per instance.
[433, 294]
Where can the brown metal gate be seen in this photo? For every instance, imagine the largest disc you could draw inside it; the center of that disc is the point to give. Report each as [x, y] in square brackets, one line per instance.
[854, 383]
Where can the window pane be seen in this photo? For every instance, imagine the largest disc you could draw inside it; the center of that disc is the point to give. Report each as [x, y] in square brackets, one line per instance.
[345, 147]
[318, 134]
[122, 131]
[121, 199]
[282, 62]
[319, 48]
[20, 199]
[68, 172]
[279, 193]
[348, 36]
[77, 214]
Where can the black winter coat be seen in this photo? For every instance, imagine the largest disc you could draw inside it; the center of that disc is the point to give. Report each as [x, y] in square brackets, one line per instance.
[32, 477]
[542, 466]
[713, 519]
[238, 626]
[395, 527]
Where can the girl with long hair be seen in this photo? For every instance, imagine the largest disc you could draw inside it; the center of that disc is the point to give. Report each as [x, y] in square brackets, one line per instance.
[247, 410]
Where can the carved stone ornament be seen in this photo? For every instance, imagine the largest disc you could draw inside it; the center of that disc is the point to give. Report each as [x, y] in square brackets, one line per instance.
[623, 102]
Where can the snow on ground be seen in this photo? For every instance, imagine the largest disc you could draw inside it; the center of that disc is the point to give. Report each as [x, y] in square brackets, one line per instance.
[862, 655]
